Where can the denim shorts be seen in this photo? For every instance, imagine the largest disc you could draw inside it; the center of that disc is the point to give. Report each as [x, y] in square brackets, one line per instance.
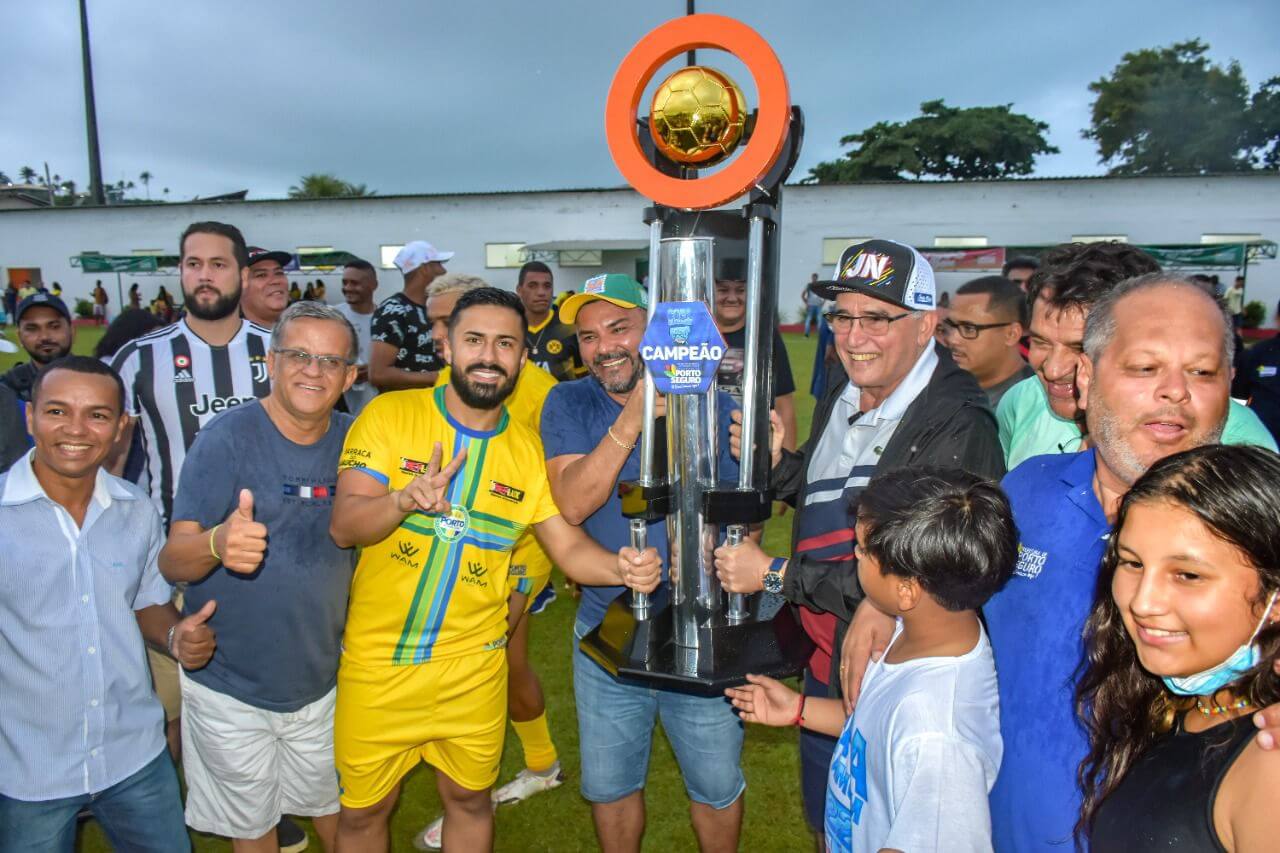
[615, 731]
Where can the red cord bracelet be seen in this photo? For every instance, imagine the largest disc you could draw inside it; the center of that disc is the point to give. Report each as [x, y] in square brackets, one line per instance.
[799, 712]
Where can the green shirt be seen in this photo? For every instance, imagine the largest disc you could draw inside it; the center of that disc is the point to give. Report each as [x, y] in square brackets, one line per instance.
[1028, 427]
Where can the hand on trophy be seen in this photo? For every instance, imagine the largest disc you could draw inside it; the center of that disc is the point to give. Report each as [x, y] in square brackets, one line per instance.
[741, 567]
[776, 434]
[630, 420]
[640, 571]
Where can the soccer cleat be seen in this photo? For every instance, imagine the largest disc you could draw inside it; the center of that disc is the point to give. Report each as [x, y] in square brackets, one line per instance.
[429, 838]
[526, 784]
[290, 836]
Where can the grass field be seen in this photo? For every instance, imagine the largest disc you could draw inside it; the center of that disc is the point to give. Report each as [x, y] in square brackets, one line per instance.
[561, 820]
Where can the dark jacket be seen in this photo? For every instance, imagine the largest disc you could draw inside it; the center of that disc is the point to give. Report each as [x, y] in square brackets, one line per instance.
[948, 425]
[13, 429]
[20, 378]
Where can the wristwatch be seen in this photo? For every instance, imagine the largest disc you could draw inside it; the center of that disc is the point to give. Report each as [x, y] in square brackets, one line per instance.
[773, 576]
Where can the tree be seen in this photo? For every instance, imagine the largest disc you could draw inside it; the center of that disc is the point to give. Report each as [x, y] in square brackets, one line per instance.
[323, 185]
[146, 177]
[4, 179]
[946, 142]
[1169, 109]
[27, 175]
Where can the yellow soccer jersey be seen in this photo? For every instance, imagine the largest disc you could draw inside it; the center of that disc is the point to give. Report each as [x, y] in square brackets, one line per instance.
[437, 586]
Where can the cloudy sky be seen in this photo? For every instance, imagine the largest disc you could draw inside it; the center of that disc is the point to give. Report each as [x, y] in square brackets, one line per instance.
[408, 96]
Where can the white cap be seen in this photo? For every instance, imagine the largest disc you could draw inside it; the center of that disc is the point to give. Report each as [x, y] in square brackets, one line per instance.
[417, 253]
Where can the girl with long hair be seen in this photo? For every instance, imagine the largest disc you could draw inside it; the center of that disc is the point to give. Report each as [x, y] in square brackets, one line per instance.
[1178, 657]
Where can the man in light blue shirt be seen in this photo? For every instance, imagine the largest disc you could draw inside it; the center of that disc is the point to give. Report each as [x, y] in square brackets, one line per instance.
[80, 593]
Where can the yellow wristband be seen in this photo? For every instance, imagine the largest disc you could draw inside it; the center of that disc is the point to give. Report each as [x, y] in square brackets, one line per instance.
[213, 531]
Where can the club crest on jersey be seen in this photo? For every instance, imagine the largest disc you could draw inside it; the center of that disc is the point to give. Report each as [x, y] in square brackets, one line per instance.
[554, 347]
[874, 268]
[507, 493]
[259, 368]
[453, 526]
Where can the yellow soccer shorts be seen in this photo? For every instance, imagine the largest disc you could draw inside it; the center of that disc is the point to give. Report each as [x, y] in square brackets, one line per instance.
[452, 714]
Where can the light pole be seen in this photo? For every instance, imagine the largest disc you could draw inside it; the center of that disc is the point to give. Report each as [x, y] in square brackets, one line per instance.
[96, 190]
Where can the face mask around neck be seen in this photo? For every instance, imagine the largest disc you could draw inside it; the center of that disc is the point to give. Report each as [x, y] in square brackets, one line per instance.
[1210, 681]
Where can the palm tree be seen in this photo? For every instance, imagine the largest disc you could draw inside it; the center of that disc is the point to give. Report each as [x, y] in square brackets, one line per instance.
[27, 174]
[145, 177]
[323, 185]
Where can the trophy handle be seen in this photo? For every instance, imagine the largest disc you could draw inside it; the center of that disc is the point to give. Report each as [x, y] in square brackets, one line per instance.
[639, 541]
[738, 612]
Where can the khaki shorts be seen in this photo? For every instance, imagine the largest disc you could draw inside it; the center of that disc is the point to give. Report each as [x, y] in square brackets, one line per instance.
[164, 675]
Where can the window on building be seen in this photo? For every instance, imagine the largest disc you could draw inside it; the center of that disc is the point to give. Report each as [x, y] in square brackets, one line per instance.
[833, 247]
[387, 255]
[1210, 239]
[503, 255]
[959, 242]
[1099, 238]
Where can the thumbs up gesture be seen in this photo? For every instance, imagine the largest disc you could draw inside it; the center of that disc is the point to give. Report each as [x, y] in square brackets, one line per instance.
[240, 540]
[193, 639]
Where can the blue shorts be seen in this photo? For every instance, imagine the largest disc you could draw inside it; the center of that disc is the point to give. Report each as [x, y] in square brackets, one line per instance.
[615, 731]
[816, 750]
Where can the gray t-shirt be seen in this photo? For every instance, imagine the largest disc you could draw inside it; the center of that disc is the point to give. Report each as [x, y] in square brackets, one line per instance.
[279, 630]
[995, 392]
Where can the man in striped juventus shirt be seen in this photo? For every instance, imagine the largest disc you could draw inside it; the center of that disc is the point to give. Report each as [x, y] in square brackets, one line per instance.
[176, 379]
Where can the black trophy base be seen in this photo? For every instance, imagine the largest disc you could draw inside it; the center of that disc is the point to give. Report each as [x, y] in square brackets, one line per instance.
[770, 641]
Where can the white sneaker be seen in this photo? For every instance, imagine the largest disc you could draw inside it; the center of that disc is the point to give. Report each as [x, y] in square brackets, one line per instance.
[526, 784]
[429, 838]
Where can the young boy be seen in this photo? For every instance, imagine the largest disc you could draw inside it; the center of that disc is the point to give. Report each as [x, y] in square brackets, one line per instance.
[916, 760]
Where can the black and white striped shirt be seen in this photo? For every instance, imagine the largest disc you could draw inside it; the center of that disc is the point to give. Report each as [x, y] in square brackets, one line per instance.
[175, 383]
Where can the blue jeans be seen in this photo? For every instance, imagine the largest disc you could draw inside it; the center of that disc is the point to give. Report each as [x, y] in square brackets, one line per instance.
[615, 731]
[143, 813]
[812, 317]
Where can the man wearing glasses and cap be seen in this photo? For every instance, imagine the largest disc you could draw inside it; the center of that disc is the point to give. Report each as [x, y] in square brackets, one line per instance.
[905, 404]
[402, 354]
[987, 318]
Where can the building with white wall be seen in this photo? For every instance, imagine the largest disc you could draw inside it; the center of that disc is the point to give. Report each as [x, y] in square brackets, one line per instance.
[585, 232]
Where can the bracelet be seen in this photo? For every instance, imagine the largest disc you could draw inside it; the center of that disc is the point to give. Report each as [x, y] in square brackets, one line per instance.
[799, 712]
[168, 644]
[213, 531]
[619, 441]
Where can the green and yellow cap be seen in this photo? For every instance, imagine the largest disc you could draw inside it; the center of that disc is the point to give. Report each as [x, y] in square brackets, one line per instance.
[619, 288]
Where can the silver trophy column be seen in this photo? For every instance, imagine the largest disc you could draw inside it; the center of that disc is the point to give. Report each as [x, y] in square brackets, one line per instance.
[687, 275]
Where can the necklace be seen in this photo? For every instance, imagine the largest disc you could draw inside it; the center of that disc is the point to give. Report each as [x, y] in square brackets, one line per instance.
[535, 342]
[1215, 708]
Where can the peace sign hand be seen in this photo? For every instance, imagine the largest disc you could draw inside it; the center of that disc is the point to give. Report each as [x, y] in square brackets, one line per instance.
[426, 492]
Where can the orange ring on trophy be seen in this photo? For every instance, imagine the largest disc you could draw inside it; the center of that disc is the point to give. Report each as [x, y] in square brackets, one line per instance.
[751, 164]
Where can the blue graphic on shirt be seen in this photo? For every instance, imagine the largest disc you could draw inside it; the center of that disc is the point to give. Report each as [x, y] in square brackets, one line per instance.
[846, 789]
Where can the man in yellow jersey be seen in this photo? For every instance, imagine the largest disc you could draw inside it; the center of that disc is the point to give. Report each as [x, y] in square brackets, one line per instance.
[423, 675]
[553, 345]
[531, 568]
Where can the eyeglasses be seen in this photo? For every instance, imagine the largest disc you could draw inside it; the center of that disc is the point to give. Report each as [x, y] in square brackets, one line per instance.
[970, 331]
[873, 324]
[299, 360]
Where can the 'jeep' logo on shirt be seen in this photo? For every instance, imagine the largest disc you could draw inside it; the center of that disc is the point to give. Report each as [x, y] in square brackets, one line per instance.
[1030, 562]
[207, 405]
[451, 527]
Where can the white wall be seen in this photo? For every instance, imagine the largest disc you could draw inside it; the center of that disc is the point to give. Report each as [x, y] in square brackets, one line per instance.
[1022, 212]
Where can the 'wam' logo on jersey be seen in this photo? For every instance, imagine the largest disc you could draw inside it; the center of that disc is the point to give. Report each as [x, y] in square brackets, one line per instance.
[453, 526]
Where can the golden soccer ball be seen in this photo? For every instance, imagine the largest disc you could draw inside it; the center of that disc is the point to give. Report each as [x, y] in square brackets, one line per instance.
[698, 116]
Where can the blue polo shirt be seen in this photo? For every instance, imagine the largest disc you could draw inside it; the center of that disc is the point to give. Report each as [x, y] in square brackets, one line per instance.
[575, 418]
[1035, 625]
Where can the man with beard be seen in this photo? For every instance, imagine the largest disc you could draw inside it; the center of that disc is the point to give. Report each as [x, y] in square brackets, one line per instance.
[359, 281]
[552, 344]
[266, 293]
[44, 330]
[526, 705]
[1040, 414]
[591, 429]
[423, 675]
[1153, 381]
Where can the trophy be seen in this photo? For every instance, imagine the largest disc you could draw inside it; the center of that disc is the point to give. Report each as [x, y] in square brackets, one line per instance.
[693, 636]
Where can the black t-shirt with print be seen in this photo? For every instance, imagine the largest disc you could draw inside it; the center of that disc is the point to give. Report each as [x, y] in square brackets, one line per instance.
[401, 322]
[553, 346]
[729, 376]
